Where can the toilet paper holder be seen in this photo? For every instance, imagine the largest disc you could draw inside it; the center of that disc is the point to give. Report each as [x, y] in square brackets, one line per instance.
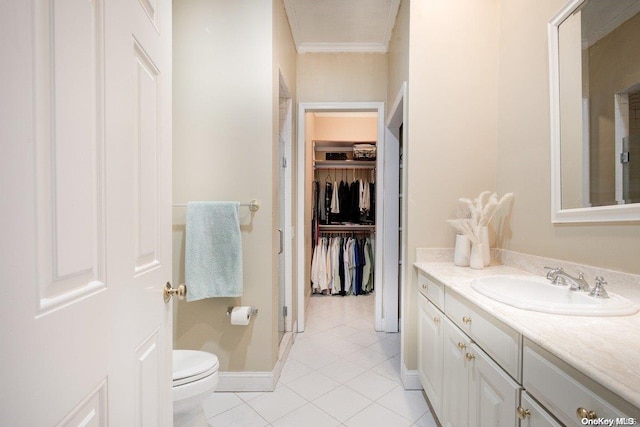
[254, 310]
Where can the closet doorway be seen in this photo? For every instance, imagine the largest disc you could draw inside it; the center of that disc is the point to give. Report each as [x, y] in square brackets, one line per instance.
[331, 160]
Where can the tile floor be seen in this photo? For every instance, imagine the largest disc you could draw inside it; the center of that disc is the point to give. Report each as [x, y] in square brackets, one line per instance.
[340, 372]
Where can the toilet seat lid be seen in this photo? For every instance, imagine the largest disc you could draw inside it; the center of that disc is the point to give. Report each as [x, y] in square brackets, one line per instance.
[193, 363]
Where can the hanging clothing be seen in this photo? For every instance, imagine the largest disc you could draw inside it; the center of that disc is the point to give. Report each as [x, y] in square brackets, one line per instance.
[335, 203]
[367, 271]
[328, 192]
[341, 267]
[343, 202]
[336, 284]
[354, 202]
[372, 202]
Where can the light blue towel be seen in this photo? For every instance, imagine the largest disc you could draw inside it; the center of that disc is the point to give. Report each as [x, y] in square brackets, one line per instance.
[213, 252]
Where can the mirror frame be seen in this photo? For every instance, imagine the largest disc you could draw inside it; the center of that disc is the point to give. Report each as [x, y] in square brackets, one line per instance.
[612, 213]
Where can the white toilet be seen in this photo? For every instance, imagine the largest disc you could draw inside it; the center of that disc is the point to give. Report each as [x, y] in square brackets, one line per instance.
[195, 376]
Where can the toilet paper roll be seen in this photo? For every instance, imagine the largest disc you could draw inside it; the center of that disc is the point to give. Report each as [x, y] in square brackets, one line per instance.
[241, 315]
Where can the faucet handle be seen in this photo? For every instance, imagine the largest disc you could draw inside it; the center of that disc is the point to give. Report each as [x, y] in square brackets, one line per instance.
[552, 275]
[598, 290]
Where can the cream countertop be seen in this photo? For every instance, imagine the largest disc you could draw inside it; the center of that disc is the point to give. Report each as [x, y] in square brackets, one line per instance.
[607, 349]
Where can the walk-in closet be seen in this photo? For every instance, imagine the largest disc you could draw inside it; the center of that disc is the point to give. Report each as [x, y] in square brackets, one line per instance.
[344, 216]
[349, 202]
[342, 220]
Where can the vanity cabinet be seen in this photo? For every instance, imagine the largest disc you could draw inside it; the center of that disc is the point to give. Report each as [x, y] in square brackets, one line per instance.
[455, 397]
[567, 393]
[478, 371]
[430, 330]
[464, 385]
[500, 341]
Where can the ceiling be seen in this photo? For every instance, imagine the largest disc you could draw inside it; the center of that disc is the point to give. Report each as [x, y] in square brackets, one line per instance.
[600, 17]
[342, 25]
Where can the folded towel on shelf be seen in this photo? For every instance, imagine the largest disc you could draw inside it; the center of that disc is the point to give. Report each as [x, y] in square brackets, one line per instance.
[213, 250]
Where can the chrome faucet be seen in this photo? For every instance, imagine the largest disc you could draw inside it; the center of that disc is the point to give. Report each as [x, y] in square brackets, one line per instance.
[558, 276]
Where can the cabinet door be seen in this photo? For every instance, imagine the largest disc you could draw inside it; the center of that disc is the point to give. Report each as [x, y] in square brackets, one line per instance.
[493, 395]
[536, 416]
[455, 396]
[430, 352]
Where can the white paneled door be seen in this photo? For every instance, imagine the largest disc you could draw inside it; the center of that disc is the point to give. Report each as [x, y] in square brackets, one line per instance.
[85, 175]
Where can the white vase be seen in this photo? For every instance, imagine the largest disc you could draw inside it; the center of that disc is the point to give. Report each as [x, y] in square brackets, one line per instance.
[486, 249]
[462, 251]
[476, 260]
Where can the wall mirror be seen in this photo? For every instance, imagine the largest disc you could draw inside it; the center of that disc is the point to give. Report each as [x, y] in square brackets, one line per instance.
[594, 62]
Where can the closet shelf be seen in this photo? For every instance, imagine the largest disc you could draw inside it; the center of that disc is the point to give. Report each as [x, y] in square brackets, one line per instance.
[347, 227]
[344, 164]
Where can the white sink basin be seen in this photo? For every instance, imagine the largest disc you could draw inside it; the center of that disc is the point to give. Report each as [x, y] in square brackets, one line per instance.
[538, 294]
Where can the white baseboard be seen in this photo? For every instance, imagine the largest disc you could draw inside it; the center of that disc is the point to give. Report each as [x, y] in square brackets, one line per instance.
[245, 381]
[410, 379]
[257, 381]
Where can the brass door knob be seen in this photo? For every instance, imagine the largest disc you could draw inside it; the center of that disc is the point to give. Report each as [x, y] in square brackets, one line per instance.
[462, 345]
[466, 319]
[523, 413]
[470, 356]
[168, 291]
[583, 413]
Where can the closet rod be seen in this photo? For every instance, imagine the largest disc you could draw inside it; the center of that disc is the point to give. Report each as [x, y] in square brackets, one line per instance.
[254, 205]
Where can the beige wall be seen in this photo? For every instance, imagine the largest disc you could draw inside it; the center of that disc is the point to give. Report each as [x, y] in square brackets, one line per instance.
[451, 148]
[523, 150]
[614, 66]
[345, 129]
[224, 133]
[342, 77]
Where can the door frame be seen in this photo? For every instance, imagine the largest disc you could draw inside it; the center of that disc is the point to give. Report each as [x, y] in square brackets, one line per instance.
[286, 133]
[396, 220]
[302, 228]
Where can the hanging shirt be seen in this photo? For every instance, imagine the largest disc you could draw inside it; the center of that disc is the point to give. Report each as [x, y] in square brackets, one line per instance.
[328, 192]
[335, 200]
[367, 271]
[341, 267]
[335, 265]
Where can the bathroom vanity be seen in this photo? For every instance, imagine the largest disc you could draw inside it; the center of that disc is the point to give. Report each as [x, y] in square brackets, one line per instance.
[482, 362]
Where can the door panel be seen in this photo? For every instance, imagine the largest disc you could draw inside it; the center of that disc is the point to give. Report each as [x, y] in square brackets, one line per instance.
[138, 102]
[430, 362]
[69, 153]
[85, 164]
[455, 397]
[493, 394]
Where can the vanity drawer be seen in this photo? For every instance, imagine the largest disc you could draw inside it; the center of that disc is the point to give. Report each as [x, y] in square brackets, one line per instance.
[500, 341]
[432, 289]
[563, 390]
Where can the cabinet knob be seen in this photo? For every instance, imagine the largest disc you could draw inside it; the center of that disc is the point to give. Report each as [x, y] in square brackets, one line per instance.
[466, 319]
[470, 356]
[583, 413]
[424, 286]
[462, 345]
[523, 414]
[436, 320]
